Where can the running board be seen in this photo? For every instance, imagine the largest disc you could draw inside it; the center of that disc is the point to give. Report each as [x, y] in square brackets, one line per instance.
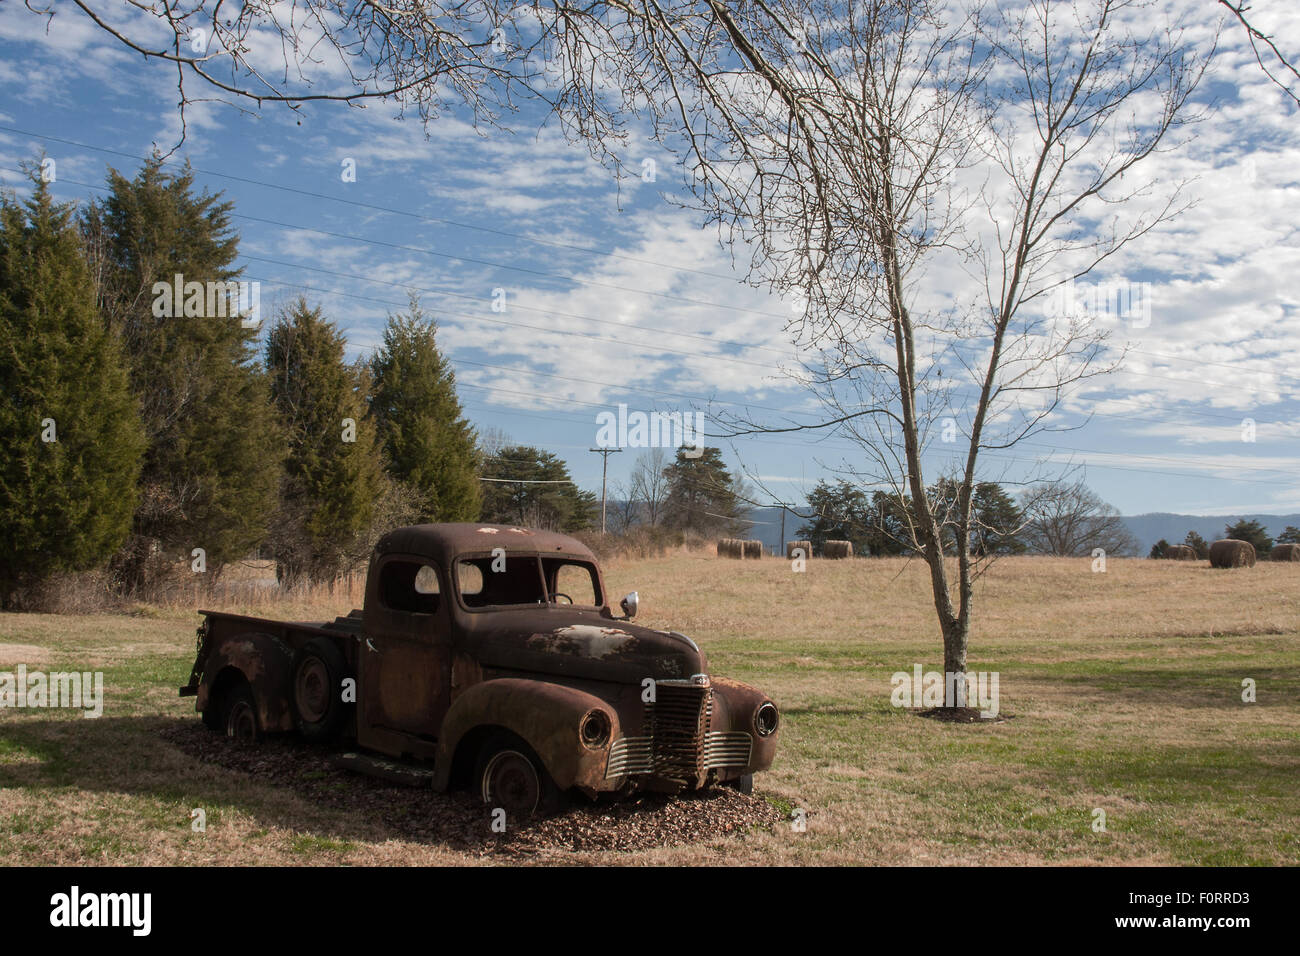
[391, 771]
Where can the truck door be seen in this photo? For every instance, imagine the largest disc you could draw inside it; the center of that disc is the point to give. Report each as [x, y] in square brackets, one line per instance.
[405, 658]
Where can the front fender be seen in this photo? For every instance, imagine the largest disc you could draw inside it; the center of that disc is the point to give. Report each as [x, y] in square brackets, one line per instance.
[266, 662]
[735, 704]
[547, 716]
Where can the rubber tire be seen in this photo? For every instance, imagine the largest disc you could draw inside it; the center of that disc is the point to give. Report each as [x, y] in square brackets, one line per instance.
[238, 698]
[328, 728]
[548, 794]
[743, 783]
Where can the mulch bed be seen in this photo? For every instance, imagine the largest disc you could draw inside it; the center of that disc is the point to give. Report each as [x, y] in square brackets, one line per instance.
[460, 821]
[961, 715]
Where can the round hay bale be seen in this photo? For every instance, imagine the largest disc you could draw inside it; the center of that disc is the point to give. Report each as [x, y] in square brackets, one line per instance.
[837, 549]
[753, 548]
[1180, 552]
[1231, 553]
[1285, 552]
[804, 546]
[731, 548]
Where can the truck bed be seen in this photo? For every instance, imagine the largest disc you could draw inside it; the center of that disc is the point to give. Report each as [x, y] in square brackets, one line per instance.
[351, 624]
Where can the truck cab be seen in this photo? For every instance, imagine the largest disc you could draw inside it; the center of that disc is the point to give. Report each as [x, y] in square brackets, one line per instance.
[490, 654]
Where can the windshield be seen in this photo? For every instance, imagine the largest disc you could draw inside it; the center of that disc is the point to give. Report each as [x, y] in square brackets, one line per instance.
[505, 580]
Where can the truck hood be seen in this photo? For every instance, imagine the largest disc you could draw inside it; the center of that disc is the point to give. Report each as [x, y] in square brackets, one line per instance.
[576, 642]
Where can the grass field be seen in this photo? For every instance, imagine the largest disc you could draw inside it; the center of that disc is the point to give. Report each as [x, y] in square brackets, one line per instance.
[1123, 692]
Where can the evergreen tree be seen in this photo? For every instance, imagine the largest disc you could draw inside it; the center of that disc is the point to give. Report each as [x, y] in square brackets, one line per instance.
[1198, 544]
[702, 495]
[213, 461]
[1290, 535]
[840, 512]
[332, 473]
[531, 487]
[997, 521]
[1158, 549]
[429, 444]
[1251, 531]
[69, 427]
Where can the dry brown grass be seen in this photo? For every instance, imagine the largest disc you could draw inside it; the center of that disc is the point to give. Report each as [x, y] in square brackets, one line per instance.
[1124, 686]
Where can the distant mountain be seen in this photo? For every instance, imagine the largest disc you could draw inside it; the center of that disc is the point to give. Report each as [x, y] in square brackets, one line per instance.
[1148, 528]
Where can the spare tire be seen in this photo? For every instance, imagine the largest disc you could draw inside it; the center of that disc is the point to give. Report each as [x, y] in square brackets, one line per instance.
[319, 670]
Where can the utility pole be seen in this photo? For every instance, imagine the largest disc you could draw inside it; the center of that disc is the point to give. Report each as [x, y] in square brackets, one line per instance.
[604, 470]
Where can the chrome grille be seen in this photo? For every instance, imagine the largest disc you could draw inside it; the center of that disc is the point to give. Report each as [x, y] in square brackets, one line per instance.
[727, 750]
[677, 726]
[630, 755]
[679, 746]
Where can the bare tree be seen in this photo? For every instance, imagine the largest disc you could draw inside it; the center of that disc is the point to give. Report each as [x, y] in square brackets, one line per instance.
[859, 148]
[855, 147]
[1278, 65]
[624, 509]
[424, 54]
[1068, 519]
[648, 486]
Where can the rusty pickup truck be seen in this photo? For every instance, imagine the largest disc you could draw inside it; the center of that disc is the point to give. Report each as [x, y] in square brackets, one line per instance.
[489, 656]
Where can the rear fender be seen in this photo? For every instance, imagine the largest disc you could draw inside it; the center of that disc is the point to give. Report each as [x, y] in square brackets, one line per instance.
[547, 716]
[266, 662]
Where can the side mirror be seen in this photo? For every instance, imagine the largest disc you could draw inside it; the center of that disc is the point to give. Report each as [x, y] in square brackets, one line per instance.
[628, 604]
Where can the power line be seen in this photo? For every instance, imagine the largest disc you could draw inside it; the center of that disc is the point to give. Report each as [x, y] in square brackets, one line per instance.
[715, 357]
[406, 213]
[757, 312]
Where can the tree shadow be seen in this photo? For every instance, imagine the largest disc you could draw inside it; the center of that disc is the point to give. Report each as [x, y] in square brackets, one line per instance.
[180, 760]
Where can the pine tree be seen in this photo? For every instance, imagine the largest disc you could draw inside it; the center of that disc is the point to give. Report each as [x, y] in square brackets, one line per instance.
[332, 472]
[212, 469]
[532, 487]
[1197, 544]
[1251, 531]
[429, 444]
[702, 495]
[839, 512]
[997, 520]
[69, 427]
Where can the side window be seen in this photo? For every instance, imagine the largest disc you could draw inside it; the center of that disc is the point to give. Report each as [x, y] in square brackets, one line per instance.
[410, 586]
[575, 581]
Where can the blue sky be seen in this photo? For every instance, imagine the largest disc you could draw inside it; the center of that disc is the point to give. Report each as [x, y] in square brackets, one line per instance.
[614, 294]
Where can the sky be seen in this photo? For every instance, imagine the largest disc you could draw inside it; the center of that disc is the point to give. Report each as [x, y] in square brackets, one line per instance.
[615, 294]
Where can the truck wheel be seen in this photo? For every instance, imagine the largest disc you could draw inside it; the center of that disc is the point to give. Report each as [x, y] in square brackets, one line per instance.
[510, 776]
[212, 717]
[241, 715]
[318, 673]
[744, 783]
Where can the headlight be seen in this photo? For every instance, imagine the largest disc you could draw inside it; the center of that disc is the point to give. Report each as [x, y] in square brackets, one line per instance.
[766, 719]
[594, 729]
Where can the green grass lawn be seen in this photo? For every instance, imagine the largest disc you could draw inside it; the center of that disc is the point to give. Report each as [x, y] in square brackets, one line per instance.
[1122, 693]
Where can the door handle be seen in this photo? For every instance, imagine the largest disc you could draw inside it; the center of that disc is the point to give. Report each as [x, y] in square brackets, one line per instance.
[371, 644]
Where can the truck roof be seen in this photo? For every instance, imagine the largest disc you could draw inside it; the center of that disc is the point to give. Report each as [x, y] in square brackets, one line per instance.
[446, 541]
